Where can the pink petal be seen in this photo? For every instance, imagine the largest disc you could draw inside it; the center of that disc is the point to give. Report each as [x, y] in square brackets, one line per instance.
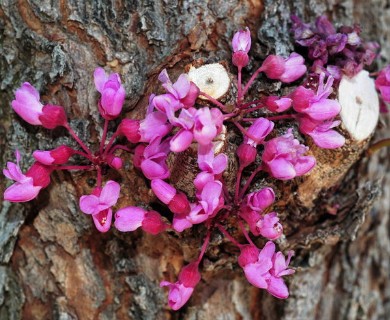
[89, 204]
[100, 79]
[43, 157]
[14, 172]
[267, 252]
[220, 163]
[277, 288]
[180, 223]
[103, 220]
[328, 140]
[304, 165]
[21, 192]
[129, 218]
[181, 140]
[257, 274]
[153, 170]
[27, 104]
[323, 109]
[282, 169]
[110, 193]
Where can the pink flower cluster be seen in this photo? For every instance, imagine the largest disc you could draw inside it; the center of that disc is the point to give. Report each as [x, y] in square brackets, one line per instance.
[173, 123]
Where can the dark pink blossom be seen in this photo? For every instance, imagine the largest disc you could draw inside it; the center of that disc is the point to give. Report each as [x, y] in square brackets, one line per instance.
[112, 93]
[99, 204]
[316, 105]
[59, 155]
[382, 83]
[286, 70]
[241, 44]
[269, 226]
[26, 186]
[277, 104]
[284, 157]
[181, 291]
[210, 163]
[153, 163]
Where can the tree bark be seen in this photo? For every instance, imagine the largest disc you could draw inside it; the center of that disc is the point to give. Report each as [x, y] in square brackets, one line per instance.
[55, 265]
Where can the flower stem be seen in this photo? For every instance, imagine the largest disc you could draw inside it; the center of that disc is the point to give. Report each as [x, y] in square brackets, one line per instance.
[119, 146]
[244, 132]
[215, 101]
[245, 233]
[255, 74]
[282, 117]
[104, 136]
[239, 85]
[107, 149]
[99, 176]
[257, 107]
[82, 145]
[204, 246]
[238, 183]
[249, 181]
[227, 235]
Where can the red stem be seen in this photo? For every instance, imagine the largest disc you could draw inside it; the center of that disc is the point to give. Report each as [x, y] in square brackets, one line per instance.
[239, 85]
[104, 136]
[73, 168]
[119, 146]
[238, 183]
[249, 181]
[243, 131]
[82, 145]
[107, 149]
[204, 246]
[255, 74]
[227, 235]
[245, 233]
[257, 107]
[215, 101]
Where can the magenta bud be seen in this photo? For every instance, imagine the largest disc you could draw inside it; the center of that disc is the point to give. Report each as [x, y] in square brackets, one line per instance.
[261, 199]
[114, 162]
[164, 191]
[276, 104]
[40, 174]
[273, 66]
[180, 204]
[190, 275]
[153, 223]
[249, 254]
[240, 59]
[242, 41]
[53, 116]
[59, 155]
[138, 155]
[130, 129]
[246, 154]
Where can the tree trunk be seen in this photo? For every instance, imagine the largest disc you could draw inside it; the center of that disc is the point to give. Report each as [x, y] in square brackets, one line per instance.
[55, 265]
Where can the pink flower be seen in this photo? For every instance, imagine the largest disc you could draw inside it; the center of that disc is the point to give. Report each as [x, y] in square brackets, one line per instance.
[260, 200]
[99, 204]
[241, 44]
[114, 162]
[31, 110]
[177, 202]
[267, 269]
[284, 158]
[276, 104]
[132, 218]
[207, 125]
[322, 132]
[269, 226]
[59, 155]
[256, 134]
[286, 70]
[181, 291]
[153, 164]
[154, 125]
[382, 83]
[183, 89]
[26, 187]
[112, 93]
[208, 162]
[316, 106]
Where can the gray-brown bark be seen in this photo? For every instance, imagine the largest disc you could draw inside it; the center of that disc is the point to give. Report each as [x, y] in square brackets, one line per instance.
[55, 265]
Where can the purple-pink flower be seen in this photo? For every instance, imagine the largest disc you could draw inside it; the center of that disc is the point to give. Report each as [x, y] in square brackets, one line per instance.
[31, 110]
[59, 155]
[112, 93]
[26, 186]
[286, 70]
[284, 157]
[181, 291]
[241, 44]
[153, 162]
[382, 83]
[99, 204]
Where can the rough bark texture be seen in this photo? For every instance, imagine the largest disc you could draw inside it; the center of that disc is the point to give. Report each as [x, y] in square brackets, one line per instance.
[55, 265]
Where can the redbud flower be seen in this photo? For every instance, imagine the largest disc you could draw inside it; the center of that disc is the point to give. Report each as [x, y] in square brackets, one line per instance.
[286, 70]
[30, 109]
[132, 218]
[260, 200]
[241, 44]
[181, 291]
[113, 93]
[59, 155]
[177, 202]
[276, 104]
[257, 132]
[99, 204]
[207, 124]
[114, 162]
[183, 89]
[153, 164]
[382, 83]
[208, 162]
[269, 226]
[26, 186]
[284, 158]
[316, 106]
[321, 132]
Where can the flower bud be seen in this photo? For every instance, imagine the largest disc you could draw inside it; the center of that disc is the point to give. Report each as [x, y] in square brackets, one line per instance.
[249, 254]
[246, 154]
[130, 129]
[114, 162]
[59, 155]
[189, 275]
[273, 66]
[153, 223]
[53, 116]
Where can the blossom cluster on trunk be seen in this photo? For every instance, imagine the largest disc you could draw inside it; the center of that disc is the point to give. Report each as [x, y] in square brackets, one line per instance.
[174, 122]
